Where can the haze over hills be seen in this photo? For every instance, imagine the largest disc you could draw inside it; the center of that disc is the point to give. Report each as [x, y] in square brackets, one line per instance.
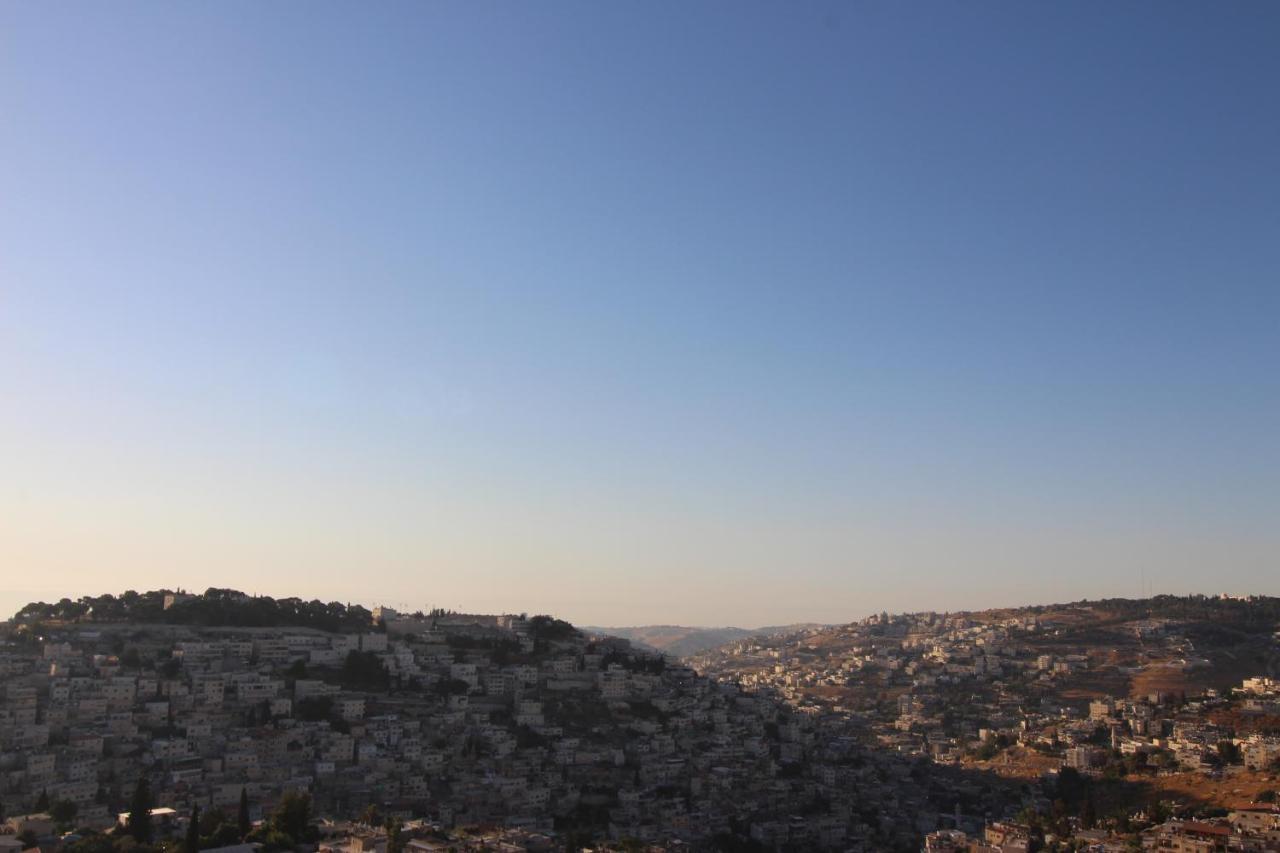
[681, 640]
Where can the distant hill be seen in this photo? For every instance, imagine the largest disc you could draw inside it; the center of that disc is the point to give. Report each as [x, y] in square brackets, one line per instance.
[681, 640]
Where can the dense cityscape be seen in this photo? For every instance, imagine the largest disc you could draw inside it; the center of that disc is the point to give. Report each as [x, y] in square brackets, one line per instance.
[241, 723]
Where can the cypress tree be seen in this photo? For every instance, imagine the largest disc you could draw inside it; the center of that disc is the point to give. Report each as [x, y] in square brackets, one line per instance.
[140, 807]
[193, 832]
[242, 818]
[1089, 813]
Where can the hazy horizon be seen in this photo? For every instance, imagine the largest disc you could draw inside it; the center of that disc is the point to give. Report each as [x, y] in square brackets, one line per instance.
[702, 315]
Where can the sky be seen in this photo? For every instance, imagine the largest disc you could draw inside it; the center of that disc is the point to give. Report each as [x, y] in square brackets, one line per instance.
[696, 313]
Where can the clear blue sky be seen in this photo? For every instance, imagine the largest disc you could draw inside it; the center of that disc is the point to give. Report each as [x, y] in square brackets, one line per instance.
[641, 312]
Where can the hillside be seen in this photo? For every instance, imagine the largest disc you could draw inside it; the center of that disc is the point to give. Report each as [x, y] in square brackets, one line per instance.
[867, 735]
[1150, 700]
[450, 723]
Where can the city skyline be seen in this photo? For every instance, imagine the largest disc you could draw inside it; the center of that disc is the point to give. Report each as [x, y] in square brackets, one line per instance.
[715, 315]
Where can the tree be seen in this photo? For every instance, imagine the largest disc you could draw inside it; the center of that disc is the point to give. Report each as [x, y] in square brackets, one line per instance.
[242, 817]
[371, 816]
[42, 802]
[395, 837]
[223, 835]
[192, 844]
[140, 806]
[546, 628]
[1088, 813]
[313, 709]
[292, 816]
[92, 842]
[364, 669]
[1072, 787]
[211, 820]
[63, 813]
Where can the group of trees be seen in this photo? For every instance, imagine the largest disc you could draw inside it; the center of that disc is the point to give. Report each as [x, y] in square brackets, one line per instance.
[212, 828]
[372, 817]
[1088, 802]
[215, 607]
[991, 748]
[549, 629]
[364, 671]
[645, 663]
[131, 606]
[1256, 614]
[288, 824]
[1071, 794]
[315, 709]
[223, 607]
